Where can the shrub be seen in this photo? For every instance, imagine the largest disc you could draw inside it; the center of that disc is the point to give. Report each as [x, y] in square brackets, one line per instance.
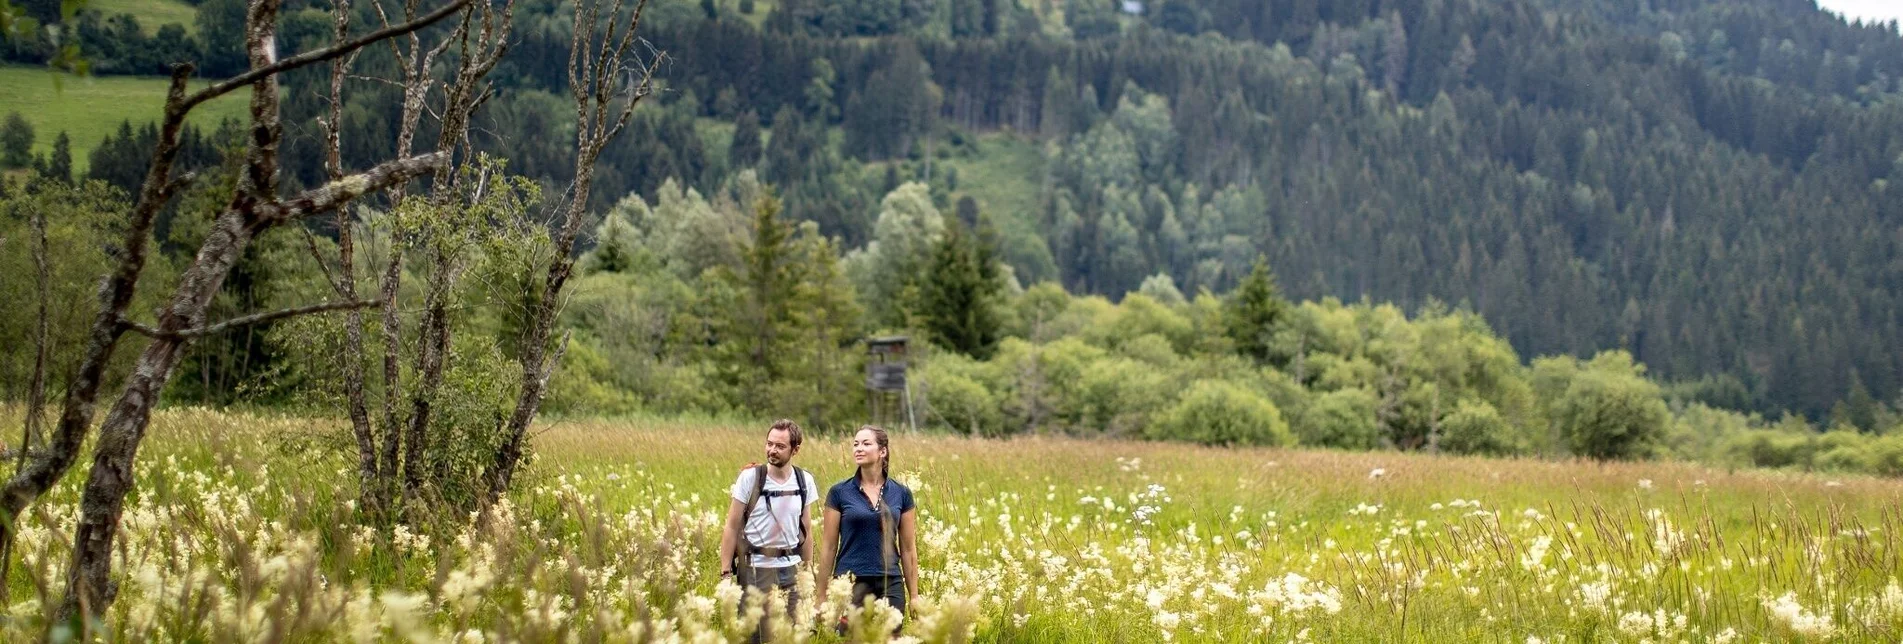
[962, 403]
[1219, 413]
[1342, 419]
[1119, 395]
[1606, 414]
[1475, 427]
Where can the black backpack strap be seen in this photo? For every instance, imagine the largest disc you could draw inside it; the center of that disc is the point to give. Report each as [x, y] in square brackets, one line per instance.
[759, 489]
[800, 475]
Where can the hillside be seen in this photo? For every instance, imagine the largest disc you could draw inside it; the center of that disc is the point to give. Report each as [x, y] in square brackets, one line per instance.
[90, 108]
[1709, 184]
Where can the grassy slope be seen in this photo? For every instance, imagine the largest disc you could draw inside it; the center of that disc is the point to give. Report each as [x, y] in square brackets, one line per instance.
[1003, 178]
[88, 109]
[151, 13]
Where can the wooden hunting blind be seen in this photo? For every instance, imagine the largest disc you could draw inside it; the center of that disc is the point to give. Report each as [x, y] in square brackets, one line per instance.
[886, 387]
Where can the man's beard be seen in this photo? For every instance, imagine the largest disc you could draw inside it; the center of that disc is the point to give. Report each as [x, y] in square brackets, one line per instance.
[776, 461]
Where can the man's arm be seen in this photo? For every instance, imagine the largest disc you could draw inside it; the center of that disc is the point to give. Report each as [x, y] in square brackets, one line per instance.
[730, 535]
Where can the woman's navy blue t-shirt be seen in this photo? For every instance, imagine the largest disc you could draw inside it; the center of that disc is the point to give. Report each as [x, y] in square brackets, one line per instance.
[860, 542]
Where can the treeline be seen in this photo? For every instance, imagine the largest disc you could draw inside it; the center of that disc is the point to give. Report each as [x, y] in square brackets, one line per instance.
[718, 303]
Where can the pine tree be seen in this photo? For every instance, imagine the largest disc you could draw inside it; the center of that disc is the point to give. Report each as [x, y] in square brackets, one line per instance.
[746, 149]
[1252, 312]
[60, 166]
[16, 142]
[754, 328]
[960, 292]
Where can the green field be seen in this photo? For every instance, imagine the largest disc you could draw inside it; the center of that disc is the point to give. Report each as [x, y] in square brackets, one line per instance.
[89, 108]
[611, 538]
[152, 14]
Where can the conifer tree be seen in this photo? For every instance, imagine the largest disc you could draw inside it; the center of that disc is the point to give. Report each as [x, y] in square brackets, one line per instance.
[1252, 312]
[960, 292]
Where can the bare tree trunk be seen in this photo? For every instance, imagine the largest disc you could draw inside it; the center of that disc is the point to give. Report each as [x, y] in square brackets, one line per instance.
[254, 208]
[370, 498]
[598, 77]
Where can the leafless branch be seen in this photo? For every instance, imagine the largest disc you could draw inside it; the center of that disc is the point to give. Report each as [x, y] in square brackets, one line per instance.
[256, 74]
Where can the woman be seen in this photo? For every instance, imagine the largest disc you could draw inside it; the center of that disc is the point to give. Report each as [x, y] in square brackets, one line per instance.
[871, 527]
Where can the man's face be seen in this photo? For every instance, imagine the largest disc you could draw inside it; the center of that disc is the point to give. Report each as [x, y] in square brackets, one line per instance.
[779, 447]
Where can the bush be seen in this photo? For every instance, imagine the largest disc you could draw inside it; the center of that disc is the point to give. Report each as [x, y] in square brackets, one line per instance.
[1771, 448]
[1213, 412]
[1342, 419]
[959, 401]
[1475, 427]
[1886, 456]
[1119, 395]
[1606, 414]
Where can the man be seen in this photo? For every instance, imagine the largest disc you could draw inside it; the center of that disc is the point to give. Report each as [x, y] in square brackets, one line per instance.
[764, 541]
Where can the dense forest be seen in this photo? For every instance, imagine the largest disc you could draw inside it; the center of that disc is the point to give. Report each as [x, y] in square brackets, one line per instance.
[1699, 187]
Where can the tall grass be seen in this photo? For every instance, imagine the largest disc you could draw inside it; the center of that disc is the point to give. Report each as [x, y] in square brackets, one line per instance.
[243, 530]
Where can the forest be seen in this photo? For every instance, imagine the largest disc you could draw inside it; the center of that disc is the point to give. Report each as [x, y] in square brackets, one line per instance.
[1690, 195]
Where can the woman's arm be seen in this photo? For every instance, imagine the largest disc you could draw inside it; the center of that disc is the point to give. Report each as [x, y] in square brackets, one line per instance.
[908, 539]
[828, 545]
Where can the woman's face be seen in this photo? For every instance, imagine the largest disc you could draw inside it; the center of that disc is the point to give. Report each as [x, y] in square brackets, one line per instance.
[865, 448]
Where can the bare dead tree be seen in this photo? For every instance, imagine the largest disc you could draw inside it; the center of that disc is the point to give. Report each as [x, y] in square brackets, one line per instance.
[391, 456]
[255, 207]
[607, 80]
[482, 47]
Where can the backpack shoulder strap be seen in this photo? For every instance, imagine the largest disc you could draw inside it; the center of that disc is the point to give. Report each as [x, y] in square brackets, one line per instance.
[800, 475]
[759, 487]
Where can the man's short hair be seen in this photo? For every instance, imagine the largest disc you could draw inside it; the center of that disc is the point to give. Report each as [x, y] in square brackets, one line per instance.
[793, 434]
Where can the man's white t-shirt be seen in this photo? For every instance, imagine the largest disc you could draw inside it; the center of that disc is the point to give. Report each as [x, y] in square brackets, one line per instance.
[775, 521]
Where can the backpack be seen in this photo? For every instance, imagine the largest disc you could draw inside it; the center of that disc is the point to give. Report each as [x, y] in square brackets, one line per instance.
[759, 491]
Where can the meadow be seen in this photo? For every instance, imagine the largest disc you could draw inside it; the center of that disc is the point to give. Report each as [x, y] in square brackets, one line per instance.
[87, 108]
[243, 530]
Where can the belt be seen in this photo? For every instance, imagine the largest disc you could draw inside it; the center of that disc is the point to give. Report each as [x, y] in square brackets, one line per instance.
[772, 552]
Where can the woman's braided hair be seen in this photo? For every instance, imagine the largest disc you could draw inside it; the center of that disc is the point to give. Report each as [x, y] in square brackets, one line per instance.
[887, 531]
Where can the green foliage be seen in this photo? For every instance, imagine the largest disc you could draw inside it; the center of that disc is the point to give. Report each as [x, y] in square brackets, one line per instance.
[1609, 410]
[887, 271]
[1475, 427]
[59, 166]
[746, 148]
[1162, 288]
[1252, 313]
[82, 222]
[898, 107]
[1219, 413]
[961, 291]
[955, 398]
[16, 142]
[1342, 419]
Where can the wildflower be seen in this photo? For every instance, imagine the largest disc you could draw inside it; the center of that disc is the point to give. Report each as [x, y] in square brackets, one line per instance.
[1645, 484]
[1800, 620]
[1377, 472]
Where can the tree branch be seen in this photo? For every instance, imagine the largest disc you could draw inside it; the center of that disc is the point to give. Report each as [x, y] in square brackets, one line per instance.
[226, 86]
[337, 193]
[259, 318]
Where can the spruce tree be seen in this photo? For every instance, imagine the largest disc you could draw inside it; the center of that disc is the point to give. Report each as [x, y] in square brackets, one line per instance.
[16, 142]
[960, 303]
[1252, 312]
[745, 150]
[60, 166]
